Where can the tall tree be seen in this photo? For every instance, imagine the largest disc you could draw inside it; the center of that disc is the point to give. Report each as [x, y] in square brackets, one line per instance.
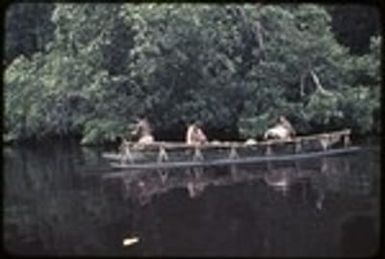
[354, 25]
[27, 29]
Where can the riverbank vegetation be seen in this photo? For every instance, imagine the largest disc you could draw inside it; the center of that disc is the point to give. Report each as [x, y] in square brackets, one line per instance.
[90, 69]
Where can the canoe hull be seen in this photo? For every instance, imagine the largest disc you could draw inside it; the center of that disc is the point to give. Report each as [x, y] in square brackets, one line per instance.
[164, 155]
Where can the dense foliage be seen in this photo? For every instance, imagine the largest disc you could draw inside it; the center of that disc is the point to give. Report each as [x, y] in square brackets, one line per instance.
[363, 18]
[234, 67]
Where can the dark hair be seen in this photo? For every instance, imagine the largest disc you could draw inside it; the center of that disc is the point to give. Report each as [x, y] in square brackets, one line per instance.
[141, 115]
[198, 123]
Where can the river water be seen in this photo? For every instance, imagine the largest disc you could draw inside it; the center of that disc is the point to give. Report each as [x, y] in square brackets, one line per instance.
[58, 201]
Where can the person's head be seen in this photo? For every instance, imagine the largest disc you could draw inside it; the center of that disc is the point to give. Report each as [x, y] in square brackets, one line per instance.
[137, 118]
[141, 116]
[198, 123]
[282, 119]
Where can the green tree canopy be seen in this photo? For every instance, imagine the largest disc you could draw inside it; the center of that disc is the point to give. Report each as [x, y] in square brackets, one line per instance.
[235, 67]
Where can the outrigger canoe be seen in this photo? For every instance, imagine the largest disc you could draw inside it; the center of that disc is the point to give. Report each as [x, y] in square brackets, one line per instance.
[167, 155]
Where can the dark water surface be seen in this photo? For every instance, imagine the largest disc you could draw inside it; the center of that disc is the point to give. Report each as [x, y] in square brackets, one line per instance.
[56, 202]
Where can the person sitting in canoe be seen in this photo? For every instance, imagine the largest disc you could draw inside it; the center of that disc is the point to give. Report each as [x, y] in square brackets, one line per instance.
[195, 134]
[143, 131]
[282, 130]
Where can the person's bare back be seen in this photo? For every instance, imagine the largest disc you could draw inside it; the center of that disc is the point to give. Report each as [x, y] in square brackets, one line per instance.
[143, 131]
[195, 135]
[282, 130]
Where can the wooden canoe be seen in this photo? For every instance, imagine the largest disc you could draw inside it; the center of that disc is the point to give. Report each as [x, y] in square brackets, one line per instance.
[165, 155]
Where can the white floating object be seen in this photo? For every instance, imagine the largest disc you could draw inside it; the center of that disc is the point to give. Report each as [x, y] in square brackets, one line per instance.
[130, 241]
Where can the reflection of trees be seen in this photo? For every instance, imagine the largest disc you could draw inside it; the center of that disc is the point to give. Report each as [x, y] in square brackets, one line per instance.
[346, 175]
[245, 220]
[241, 220]
[50, 208]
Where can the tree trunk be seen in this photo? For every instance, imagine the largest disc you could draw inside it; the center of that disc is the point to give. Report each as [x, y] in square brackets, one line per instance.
[302, 84]
[259, 36]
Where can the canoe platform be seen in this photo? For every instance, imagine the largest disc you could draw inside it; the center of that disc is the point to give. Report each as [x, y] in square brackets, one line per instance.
[167, 155]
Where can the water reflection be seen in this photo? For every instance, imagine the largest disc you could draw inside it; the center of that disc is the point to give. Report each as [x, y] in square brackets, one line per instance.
[57, 202]
[327, 174]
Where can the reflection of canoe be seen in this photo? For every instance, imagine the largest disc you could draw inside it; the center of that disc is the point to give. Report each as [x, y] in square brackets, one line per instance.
[178, 155]
[142, 185]
[280, 178]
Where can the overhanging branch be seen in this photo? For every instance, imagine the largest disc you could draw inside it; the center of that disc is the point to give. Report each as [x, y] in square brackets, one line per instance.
[317, 82]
